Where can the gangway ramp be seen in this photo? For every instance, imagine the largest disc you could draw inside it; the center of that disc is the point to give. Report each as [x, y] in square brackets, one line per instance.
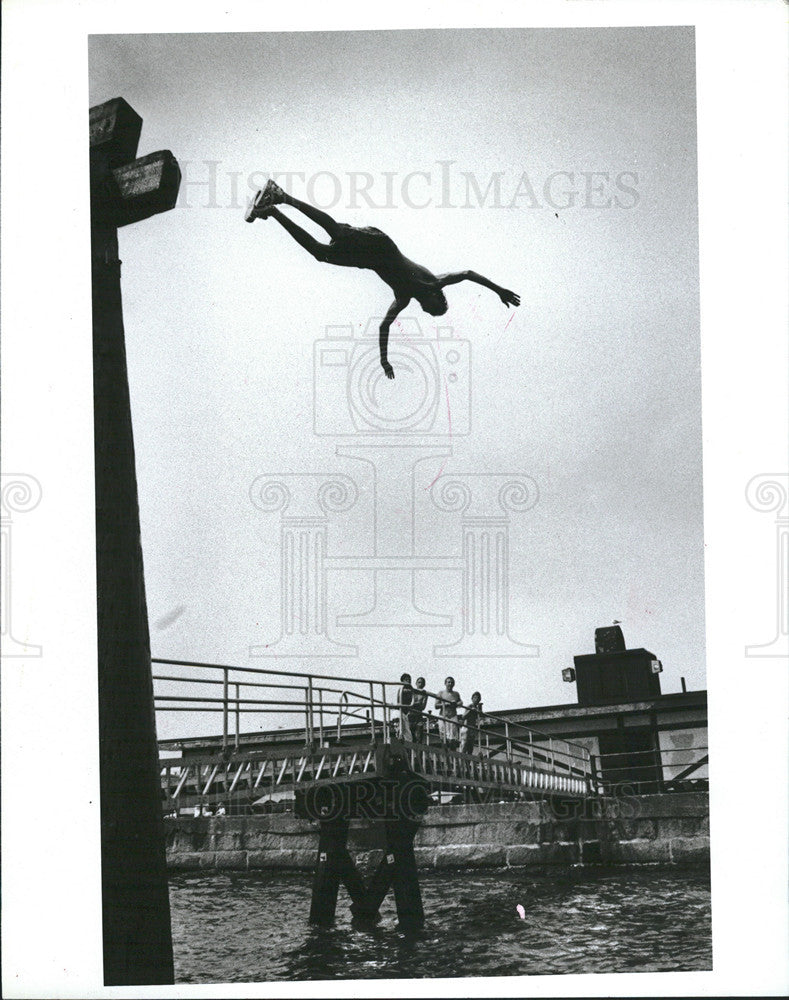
[346, 732]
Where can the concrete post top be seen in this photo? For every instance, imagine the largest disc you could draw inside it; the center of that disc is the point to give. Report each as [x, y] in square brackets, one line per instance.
[115, 129]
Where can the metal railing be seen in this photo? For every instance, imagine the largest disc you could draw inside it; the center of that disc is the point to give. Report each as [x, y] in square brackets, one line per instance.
[339, 721]
[331, 708]
[647, 771]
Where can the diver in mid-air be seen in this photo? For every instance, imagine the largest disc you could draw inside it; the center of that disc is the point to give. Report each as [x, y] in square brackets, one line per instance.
[369, 248]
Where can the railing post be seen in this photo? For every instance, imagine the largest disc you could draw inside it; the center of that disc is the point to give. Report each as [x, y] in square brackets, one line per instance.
[661, 783]
[308, 711]
[343, 698]
[224, 707]
[372, 712]
[507, 742]
[238, 714]
[387, 719]
[320, 714]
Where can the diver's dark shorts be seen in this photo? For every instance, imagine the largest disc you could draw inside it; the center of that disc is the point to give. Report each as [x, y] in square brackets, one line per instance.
[355, 247]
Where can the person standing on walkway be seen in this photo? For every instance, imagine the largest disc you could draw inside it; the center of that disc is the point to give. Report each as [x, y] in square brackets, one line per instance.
[405, 699]
[447, 707]
[472, 718]
[416, 718]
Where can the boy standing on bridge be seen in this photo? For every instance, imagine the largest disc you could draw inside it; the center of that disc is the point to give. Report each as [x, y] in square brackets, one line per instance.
[416, 719]
[447, 707]
[472, 718]
[404, 699]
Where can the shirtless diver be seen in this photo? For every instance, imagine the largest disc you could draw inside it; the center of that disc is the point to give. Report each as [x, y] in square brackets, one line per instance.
[373, 250]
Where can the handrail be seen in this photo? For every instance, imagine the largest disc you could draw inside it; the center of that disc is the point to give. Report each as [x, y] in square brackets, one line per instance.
[340, 714]
[217, 680]
[265, 670]
[651, 753]
[198, 704]
[517, 738]
[507, 723]
[647, 769]
[332, 677]
[343, 705]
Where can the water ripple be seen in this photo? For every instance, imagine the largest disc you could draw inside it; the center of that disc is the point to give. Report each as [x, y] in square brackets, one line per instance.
[252, 926]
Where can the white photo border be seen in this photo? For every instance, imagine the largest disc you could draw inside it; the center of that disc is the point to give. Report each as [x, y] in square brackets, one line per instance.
[51, 892]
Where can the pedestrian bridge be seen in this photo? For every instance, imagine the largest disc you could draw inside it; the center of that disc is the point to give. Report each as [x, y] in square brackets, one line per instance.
[346, 732]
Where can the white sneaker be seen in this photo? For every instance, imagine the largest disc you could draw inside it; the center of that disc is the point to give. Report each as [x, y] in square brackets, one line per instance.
[271, 195]
[255, 209]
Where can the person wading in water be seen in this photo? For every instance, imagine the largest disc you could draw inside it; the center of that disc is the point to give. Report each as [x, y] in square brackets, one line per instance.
[371, 249]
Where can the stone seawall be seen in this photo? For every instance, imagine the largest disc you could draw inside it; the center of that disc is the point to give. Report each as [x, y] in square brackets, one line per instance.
[668, 828]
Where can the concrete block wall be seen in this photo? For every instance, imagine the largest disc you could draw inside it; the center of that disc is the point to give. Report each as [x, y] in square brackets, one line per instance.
[668, 828]
[672, 828]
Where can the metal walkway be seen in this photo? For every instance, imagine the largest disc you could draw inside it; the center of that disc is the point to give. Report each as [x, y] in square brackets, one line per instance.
[347, 731]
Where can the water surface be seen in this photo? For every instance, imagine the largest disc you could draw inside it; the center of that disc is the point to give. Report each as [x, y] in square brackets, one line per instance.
[252, 926]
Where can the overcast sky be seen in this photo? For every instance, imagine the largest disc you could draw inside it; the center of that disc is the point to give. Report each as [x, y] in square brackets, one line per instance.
[592, 387]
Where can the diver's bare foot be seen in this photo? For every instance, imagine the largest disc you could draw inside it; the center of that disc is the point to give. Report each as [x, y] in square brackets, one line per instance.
[388, 370]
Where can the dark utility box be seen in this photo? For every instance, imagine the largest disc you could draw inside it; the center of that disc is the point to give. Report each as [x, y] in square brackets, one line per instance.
[612, 678]
[609, 640]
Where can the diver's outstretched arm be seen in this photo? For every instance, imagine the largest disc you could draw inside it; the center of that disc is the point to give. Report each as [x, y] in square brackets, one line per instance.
[383, 339]
[507, 297]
